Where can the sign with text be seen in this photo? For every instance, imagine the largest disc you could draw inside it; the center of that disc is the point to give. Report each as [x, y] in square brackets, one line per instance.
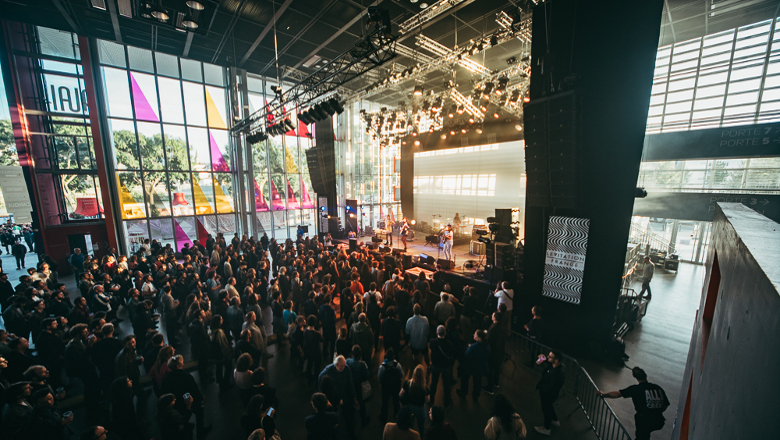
[701, 206]
[567, 243]
[715, 143]
[15, 194]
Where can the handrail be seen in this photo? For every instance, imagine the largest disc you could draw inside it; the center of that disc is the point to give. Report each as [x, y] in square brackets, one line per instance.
[597, 411]
[642, 235]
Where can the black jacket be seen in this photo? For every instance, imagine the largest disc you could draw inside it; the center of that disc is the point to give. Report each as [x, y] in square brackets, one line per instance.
[552, 380]
[178, 383]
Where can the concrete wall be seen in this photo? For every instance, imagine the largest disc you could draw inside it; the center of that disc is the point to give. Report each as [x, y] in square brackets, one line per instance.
[730, 390]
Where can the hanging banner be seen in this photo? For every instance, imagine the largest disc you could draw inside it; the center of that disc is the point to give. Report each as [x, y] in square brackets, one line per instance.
[14, 189]
[567, 243]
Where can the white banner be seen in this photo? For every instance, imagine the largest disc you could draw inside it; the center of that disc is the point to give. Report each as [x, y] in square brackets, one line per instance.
[15, 194]
[567, 243]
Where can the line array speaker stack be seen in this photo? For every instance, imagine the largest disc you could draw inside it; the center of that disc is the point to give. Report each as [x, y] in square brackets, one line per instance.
[551, 158]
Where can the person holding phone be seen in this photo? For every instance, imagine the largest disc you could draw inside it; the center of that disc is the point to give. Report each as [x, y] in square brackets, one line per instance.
[549, 386]
[180, 383]
[46, 421]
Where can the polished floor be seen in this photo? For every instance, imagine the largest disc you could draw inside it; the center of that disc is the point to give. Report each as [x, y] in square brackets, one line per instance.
[658, 343]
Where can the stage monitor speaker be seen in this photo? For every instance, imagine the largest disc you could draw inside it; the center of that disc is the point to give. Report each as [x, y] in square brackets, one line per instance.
[407, 261]
[397, 251]
[427, 259]
[551, 154]
[389, 263]
[376, 240]
[445, 264]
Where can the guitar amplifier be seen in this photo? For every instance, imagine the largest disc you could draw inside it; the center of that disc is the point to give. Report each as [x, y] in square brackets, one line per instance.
[477, 248]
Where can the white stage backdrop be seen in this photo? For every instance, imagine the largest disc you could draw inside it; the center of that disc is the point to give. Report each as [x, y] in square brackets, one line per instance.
[470, 181]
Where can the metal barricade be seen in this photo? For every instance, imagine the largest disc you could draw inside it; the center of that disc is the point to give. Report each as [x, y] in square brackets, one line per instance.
[524, 351]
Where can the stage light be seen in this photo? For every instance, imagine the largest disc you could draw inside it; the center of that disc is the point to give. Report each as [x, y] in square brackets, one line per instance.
[323, 208]
[483, 107]
[471, 120]
[451, 114]
[403, 142]
[460, 109]
[463, 130]
[159, 12]
[192, 4]
[416, 143]
[486, 91]
[452, 132]
[478, 130]
[414, 133]
[502, 82]
[430, 130]
[493, 41]
[414, 222]
[418, 90]
[526, 98]
[496, 115]
[443, 136]
[518, 127]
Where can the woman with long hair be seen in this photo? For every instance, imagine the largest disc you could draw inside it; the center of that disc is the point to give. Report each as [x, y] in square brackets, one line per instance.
[160, 367]
[414, 395]
[243, 372]
[505, 423]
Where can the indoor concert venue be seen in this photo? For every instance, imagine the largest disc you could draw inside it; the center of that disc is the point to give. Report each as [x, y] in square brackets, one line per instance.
[389, 219]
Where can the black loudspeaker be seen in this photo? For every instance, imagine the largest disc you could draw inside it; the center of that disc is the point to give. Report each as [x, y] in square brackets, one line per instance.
[389, 263]
[353, 244]
[551, 151]
[376, 240]
[351, 214]
[407, 261]
[397, 251]
[312, 161]
[504, 256]
[427, 259]
[445, 264]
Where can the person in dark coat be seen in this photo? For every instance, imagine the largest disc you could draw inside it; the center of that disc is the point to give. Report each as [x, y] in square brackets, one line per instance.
[174, 424]
[475, 364]
[496, 339]
[549, 386]
[328, 321]
[19, 251]
[51, 349]
[122, 410]
[127, 361]
[442, 359]
[345, 396]
[46, 421]
[103, 355]
[178, 382]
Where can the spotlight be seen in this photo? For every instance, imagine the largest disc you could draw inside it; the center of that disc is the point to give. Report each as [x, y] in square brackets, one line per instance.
[189, 22]
[518, 127]
[416, 143]
[496, 115]
[471, 120]
[418, 90]
[460, 109]
[464, 130]
[403, 142]
[526, 98]
[452, 132]
[483, 107]
[486, 91]
[414, 222]
[327, 106]
[159, 12]
[502, 82]
[451, 114]
[430, 130]
[514, 97]
[192, 4]
[493, 41]
[414, 133]
[443, 136]
[478, 130]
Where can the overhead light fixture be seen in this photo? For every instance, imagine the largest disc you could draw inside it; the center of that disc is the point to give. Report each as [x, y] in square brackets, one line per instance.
[443, 136]
[416, 143]
[159, 12]
[502, 82]
[478, 130]
[423, 5]
[414, 133]
[99, 4]
[189, 22]
[496, 115]
[196, 5]
[413, 1]
[493, 41]
[471, 120]
[460, 109]
[526, 98]
[418, 90]
[518, 127]
[486, 91]
[452, 132]
[464, 130]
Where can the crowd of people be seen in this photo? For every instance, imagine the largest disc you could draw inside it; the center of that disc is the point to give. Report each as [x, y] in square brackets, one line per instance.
[230, 301]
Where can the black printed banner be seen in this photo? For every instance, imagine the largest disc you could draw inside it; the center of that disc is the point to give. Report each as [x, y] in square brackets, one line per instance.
[567, 243]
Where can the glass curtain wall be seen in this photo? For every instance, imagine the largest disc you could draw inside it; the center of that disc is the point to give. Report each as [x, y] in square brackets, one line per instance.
[283, 195]
[366, 171]
[724, 79]
[173, 156]
[747, 176]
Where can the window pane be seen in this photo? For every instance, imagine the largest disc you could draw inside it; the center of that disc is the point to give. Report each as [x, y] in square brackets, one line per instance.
[170, 100]
[223, 192]
[186, 231]
[200, 157]
[150, 146]
[220, 157]
[156, 185]
[131, 195]
[181, 192]
[276, 155]
[144, 97]
[167, 65]
[124, 142]
[194, 104]
[176, 147]
[277, 196]
[140, 59]
[763, 179]
[215, 107]
[227, 225]
[117, 92]
[190, 70]
[111, 53]
[203, 188]
[80, 196]
[136, 231]
[213, 74]
[162, 231]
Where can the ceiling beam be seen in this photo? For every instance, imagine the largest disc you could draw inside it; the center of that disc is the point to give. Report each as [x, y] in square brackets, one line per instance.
[265, 32]
[336, 34]
[112, 7]
[66, 16]
[228, 30]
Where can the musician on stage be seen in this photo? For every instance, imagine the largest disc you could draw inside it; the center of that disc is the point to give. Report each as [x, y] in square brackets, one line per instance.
[448, 238]
[404, 232]
[390, 224]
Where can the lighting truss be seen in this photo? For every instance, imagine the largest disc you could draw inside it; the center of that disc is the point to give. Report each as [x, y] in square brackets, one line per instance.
[441, 50]
[408, 52]
[521, 29]
[419, 72]
[299, 76]
[430, 13]
[372, 51]
[468, 107]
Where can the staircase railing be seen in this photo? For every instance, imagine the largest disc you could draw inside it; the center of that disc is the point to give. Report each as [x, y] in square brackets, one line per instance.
[643, 236]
